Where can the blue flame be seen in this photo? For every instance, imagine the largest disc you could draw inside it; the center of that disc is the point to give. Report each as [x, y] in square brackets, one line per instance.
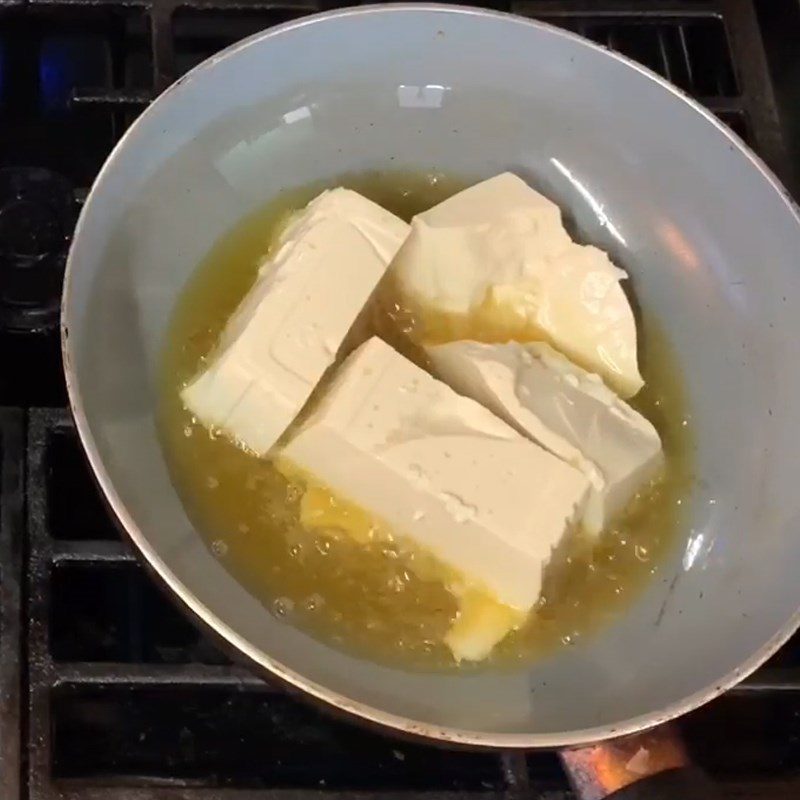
[67, 62]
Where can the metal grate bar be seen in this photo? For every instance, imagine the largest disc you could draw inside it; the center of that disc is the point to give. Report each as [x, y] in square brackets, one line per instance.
[112, 98]
[164, 72]
[758, 94]
[39, 666]
[93, 673]
[92, 552]
[687, 59]
[11, 643]
[766, 680]
[517, 777]
[110, 792]
[90, 3]
[623, 10]
[131, 675]
[723, 105]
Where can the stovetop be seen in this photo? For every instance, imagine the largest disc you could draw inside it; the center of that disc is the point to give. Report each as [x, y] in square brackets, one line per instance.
[106, 691]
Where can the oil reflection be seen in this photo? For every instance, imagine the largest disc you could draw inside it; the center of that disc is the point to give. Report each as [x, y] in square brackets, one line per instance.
[430, 96]
[693, 549]
[596, 206]
[236, 164]
[303, 112]
[698, 548]
[678, 245]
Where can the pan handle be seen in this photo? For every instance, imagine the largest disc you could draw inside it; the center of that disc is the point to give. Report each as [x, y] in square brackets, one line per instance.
[652, 765]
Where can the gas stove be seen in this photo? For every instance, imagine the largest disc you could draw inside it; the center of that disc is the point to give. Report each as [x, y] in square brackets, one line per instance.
[106, 691]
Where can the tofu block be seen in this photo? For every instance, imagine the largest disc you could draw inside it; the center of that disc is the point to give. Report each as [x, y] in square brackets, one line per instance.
[441, 470]
[496, 260]
[482, 620]
[482, 623]
[288, 329]
[565, 409]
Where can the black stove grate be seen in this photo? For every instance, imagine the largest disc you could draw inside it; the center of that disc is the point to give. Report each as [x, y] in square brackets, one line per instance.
[124, 693]
[106, 691]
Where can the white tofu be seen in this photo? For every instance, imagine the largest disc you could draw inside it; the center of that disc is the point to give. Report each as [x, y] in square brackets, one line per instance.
[288, 328]
[481, 624]
[562, 407]
[498, 256]
[441, 470]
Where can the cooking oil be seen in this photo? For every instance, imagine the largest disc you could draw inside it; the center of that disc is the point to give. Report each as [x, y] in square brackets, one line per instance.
[368, 596]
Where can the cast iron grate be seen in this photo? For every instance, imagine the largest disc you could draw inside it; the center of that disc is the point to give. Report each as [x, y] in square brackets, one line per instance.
[124, 692]
[122, 699]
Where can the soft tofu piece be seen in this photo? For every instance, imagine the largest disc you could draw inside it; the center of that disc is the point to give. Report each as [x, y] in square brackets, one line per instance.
[567, 410]
[481, 624]
[482, 620]
[288, 328]
[496, 261]
[441, 470]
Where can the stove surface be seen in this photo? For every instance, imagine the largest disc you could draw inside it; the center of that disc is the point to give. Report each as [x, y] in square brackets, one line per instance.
[106, 691]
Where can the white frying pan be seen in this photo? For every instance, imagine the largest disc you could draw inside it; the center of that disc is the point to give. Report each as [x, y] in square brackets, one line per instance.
[710, 238]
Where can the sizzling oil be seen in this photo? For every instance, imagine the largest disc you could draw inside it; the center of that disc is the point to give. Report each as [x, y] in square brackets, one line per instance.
[366, 597]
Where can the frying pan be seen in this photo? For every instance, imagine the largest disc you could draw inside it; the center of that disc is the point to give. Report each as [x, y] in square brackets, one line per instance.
[707, 233]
